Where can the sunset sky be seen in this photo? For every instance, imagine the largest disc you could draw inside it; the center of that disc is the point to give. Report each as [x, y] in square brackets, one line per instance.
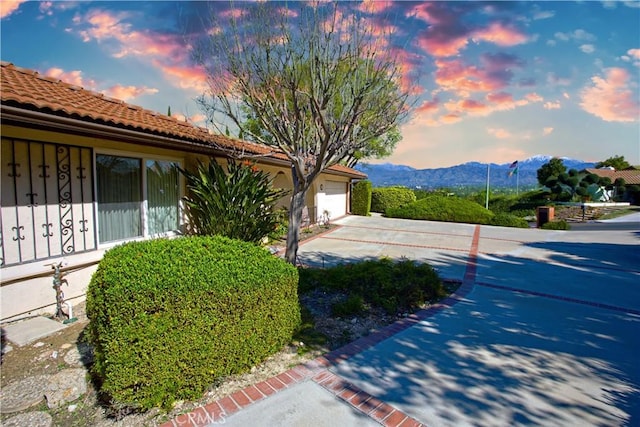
[493, 82]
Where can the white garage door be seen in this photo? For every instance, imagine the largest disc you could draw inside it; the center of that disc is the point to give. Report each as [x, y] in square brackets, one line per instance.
[335, 199]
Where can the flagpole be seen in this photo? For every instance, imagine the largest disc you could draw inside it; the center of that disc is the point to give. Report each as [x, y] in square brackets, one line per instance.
[486, 203]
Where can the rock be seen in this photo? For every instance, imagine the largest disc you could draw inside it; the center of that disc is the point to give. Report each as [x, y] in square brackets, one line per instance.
[82, 355]
[65, 346]
[31, 419]
[38, 344]
[23, 394]
[72, 408]
[65, 386]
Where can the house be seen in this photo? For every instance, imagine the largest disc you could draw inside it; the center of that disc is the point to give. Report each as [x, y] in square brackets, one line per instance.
[82, 172]
[631, 176]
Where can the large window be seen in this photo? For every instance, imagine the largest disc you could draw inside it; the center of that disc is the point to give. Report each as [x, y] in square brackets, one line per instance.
[135, 202]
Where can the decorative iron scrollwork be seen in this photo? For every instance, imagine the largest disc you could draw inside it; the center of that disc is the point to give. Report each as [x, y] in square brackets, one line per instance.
[44, 173]
[18, 235]
[47, 230]
[14, 173]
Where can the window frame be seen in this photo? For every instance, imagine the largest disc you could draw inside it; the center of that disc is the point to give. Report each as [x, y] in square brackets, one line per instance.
[144, 204]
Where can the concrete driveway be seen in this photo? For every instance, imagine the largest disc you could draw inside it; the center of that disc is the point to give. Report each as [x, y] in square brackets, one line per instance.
[545, 330]
[549, 333]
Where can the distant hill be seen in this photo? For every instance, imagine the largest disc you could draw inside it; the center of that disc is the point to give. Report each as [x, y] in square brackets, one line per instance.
[472, 174]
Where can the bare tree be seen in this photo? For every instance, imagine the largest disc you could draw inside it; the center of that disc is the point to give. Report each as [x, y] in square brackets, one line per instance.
[316, 82]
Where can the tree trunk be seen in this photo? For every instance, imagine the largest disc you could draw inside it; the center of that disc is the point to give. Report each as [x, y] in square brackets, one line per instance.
[295, 218]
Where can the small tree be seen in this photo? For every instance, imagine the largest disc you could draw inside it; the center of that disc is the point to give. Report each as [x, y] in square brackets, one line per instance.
[238, 204]
[553, 168]
[317, 81]
[616, 162]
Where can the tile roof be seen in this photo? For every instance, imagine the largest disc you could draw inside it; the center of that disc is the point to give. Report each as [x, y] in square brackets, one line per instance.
[30, 90]
[630, 176]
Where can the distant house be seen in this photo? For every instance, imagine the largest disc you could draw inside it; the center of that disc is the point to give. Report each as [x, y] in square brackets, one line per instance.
[82, 172]
[631, 176]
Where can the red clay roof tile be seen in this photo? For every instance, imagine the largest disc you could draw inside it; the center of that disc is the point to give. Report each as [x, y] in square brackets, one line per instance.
[28, 88]
[631, 177]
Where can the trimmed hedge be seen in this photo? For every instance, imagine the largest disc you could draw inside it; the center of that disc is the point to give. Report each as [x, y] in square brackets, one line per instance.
[507, 220]
[171, 317]
[395, 286]
[556, 225]
[442, 208]
[361, 198]
[390, 198]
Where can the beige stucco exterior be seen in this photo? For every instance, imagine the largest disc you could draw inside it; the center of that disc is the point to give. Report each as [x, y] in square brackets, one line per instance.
[26, 287]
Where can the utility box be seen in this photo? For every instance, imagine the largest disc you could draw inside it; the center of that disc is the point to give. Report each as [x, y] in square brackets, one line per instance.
[544, 214]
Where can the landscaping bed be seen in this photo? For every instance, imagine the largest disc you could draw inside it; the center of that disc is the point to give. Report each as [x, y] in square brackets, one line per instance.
[322, 330]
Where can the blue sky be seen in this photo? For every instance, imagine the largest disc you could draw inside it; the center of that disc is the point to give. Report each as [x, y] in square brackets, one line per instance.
[492, 82]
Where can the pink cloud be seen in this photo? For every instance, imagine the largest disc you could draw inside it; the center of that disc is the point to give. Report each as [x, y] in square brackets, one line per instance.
[547, 131]
[167, 52]
[551, 105]
[185, 77]
[126, 93]
[634, 53]
[104, 25]
[198, 118]
[450, 118]
[75, 77]
[408, 64]
[456, 76]
[428, 107]
[72, 77]
[500, 98]
[499, 133]
[233, 13]
[611, 97]
[533, 97]
[45, 8]
[374, 6]
[500, 34]
[447, 35]
[7, 7]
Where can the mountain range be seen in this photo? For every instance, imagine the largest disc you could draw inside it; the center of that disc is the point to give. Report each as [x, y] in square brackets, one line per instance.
[471, 174]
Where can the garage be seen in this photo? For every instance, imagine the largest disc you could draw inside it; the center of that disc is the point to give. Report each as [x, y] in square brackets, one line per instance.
[334, 199]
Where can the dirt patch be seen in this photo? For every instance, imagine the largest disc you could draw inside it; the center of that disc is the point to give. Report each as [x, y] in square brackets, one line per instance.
[47, 356]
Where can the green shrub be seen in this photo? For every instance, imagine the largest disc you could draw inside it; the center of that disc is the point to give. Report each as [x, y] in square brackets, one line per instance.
[361, 198]
[282, 224]
[236, 203]
[556, 225]
[171, 317]
[442, 208]
[391, 197]
[354, 304]
[394, 286]
[507, 220]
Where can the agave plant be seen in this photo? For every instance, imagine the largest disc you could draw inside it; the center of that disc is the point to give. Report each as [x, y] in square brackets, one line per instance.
[237, 202]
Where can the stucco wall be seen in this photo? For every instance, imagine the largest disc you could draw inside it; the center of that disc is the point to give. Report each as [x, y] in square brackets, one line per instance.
[26, 289]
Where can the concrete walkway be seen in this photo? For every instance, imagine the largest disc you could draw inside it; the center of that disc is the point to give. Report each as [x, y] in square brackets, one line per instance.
[545, 330]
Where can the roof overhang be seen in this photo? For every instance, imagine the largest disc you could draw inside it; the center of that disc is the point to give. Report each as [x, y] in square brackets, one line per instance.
[14, 115]
[52, 122]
